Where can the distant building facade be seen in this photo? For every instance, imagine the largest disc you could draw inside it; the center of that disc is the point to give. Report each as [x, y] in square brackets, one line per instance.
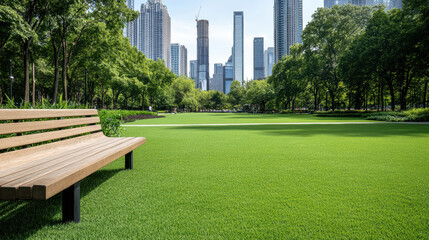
[217, 83]
[330, 3]
[269, 61]
[129, 27]
[228, 75]
[193, 74]
[258, 59]
[238, 49]
[203, 55]
[183, 61]
[179, 59]
[155, 31]
[288, 24]
[389, 3]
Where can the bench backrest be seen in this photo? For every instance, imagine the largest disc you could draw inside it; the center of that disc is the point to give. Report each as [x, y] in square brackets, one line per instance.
[25, 127]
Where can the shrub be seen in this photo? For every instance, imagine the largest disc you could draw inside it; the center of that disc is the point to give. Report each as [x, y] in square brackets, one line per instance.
[413, 115]
[111, 120]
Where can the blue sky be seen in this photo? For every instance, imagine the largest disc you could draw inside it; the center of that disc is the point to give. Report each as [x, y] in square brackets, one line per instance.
[258, 22]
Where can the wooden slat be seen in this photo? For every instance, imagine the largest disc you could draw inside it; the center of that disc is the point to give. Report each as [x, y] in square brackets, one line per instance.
[14, 159]
[11, 142]
[23, 179]
[20, 114]
[48, 186]
[27, 169]
[21, 127]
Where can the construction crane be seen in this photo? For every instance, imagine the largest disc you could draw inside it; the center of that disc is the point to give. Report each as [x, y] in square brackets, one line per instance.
[198, 16]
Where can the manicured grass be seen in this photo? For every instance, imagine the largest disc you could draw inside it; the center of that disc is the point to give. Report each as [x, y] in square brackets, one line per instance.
[241, 182]
[222, 118]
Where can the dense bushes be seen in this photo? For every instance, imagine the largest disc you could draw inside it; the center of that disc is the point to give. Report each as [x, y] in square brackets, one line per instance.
[415, 115]
[111, 120]
[356, 113]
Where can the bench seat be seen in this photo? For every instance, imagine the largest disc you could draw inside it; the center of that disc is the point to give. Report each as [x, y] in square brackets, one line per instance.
[46, 152]
[50, 171]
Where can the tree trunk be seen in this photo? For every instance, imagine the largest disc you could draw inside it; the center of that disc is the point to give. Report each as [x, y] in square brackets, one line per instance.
[57, 69]
[27, 70]
[56, 79]
[64, 73]
[315, 92]
[350, 100]
[332, 100]
[142, 101]
[425, 93]
[34, 87]
[102, 96]
[357, 98]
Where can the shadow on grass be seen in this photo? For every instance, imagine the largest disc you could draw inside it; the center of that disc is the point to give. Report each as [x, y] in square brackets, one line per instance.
[21, 219]
[348, 130]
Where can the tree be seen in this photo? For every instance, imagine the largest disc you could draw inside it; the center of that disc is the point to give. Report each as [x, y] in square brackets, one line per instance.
[182, 87]
[329, 34]
[12, 23]
[237, 94]
[259, 94]
[288, 77]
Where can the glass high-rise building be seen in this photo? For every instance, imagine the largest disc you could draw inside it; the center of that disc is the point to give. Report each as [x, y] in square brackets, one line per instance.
[238, 49]
[203, 54]
[395, 4]
[389, 3]
[129, 27]
[228, 75]
[193, 74]
[217, 80]
[179, 59]
[258, 59]
[330, 3]
[269, 61]
[183, 61]
[288, 24]
[154, 31]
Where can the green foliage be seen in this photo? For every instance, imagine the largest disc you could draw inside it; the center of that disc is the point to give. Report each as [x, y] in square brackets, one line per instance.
[414, 115]
[237, 94]
[288, 78]
[260, 93]
[43, 104]
[111, 120]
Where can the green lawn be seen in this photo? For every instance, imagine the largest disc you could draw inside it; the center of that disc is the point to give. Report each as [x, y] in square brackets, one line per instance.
[224, 118]
[247, 182]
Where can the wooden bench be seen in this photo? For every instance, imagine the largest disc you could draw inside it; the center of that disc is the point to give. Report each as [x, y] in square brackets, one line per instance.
[52, 151]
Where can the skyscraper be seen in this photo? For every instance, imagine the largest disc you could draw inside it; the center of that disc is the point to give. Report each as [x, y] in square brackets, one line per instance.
[238, 49]
[395, 4]
[389, 3]
[155, 31]
[203, 54]
[362, 3]
[217, 82]
[183, 61]
[179, 59]
[129, 27]
[330, 3]
[258, 59]
[269, 61]
[228, 75]
[194, 71]
[287, 26]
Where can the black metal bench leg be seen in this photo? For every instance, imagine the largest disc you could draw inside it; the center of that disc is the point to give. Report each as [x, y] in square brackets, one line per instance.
[129, 161]
[71, 204]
